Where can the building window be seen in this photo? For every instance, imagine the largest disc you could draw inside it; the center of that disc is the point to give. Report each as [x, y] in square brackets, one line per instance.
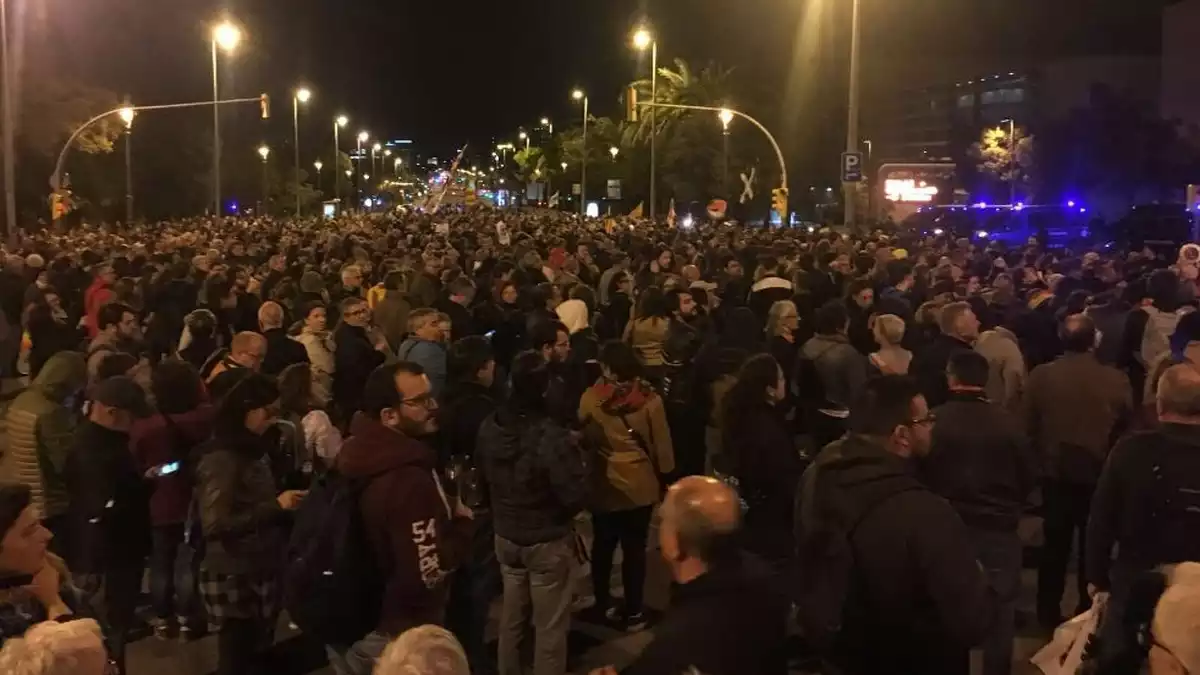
[966, 101]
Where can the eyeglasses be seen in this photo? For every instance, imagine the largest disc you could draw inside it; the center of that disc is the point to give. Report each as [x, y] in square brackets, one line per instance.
[927, 419]
[426, 401]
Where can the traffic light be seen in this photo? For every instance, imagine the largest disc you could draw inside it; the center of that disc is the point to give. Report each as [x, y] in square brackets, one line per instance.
[779, 203]
[265, 102]
[631, 104]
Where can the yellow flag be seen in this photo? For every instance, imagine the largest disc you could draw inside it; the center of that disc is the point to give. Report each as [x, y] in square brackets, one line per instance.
[637, 213]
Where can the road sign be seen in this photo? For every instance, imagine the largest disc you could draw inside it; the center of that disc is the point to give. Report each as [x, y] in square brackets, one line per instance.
[852, 167]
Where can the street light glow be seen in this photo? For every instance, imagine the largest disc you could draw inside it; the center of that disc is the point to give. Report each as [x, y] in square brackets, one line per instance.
[377, 147]
[366, 176]
[349, 173]
[577, 94]
[363, 136]
[227, 36]
[545, 121]
[317, 165]
[726, 116]
[564, 166]
[387, 153]
[342, 120]
[126, 115]
[613, 151]
[642, 38]
[303, 95]
[522, 135]
[264, 152]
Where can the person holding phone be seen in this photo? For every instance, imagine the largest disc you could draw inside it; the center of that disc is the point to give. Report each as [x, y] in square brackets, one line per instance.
[244, 524]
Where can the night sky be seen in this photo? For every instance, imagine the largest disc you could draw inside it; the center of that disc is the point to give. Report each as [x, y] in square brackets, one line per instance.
[444, 72]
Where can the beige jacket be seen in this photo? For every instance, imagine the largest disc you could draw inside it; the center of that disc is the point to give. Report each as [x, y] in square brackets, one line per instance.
[1006, 367]
[626, 476]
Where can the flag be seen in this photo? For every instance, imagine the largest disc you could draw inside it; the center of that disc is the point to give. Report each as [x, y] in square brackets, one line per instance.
[671, 214]
[554, 200]
[637, 212]
[717, 208]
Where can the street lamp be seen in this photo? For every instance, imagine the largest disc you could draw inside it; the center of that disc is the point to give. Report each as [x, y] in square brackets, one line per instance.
[851, 189]
[374, 149]
[643, 38]
[396, 166]
[362, 138]
[524, 137]
[549, 125]
[225, 36]
[338, 122]
[1012, 159]
[613, 151]
[264, 152]
[317, 165]
[726, 117]
[302, 95]
[126, 114]
[578, 95]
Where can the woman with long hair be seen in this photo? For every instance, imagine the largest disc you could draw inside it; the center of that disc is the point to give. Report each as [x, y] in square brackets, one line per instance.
[783, 320]
[647, 331]
[761, 454]
[244, 523]
[625, 419]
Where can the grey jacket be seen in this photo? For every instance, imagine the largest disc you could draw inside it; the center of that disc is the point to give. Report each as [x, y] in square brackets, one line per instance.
[429, 355]
[842, 368]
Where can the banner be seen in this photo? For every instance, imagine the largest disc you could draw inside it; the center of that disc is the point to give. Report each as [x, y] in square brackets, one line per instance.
[671, 214]
[637, 212]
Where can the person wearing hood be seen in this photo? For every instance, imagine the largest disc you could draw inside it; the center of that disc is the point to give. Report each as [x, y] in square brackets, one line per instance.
[625, 419]
[109, 514]
[920, 612]
[416, 533]
[581, 367]
[538, 478]
[831, 373]
[41, 424]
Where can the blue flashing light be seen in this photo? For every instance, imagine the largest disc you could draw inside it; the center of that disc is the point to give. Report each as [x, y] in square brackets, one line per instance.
[937, 231]
[982, 234]
[1071, 204]
[981, 205]
[1018, 206]
[1082, 210]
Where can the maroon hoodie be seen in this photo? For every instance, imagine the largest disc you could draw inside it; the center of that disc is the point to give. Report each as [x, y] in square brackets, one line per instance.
[409, 522]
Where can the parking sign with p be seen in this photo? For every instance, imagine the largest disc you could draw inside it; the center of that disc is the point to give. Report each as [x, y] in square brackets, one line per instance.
[852, 167]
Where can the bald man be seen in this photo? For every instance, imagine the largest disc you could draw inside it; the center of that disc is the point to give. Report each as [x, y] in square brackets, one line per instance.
[282, 351]
[726, 616]
[247, 350]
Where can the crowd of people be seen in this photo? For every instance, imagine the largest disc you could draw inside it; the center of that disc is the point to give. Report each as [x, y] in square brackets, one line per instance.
[832, 438]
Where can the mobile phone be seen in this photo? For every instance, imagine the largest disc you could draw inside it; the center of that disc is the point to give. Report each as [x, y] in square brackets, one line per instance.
[168, 468]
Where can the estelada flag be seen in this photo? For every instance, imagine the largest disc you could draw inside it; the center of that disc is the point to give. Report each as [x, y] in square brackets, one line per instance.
[716, 209]
[637, 212]
[671, 214]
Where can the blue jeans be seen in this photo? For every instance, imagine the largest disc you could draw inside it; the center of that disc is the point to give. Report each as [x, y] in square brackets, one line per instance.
[1000, 555]
[360, 657]
[173, 571]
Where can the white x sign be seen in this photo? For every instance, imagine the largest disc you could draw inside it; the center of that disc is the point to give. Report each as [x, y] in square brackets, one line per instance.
[748, 185]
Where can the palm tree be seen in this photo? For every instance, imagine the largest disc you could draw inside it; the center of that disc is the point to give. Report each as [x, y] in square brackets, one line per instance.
[711, 86]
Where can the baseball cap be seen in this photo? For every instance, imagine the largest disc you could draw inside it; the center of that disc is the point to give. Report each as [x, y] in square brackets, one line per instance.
[123, 393]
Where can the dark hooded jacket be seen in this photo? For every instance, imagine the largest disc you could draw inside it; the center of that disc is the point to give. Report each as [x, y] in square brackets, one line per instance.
[416, 541]
[917, 596]
[537, 475]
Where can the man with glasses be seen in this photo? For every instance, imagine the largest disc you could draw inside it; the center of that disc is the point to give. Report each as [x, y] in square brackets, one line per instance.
[887, 577]
[417, 534]
[984, 465]
[355, 356]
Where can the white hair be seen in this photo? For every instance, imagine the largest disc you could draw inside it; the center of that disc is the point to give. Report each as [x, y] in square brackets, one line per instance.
[424, 650]
[53, 648]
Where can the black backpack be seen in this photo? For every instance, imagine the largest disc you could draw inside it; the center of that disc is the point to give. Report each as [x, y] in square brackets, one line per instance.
[332, 585]
[825, 562]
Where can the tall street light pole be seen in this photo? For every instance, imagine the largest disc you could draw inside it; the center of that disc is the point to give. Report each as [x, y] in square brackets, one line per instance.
[302, 95]
[264, 152]
[339, 122]
[127, 117]
[849, 189]
[362, 138]
[1012, 160]
[726, 116]
[578, 95]
[642, 39]
[375, 152]
[317, 165]
[10, 189]
[226, 36]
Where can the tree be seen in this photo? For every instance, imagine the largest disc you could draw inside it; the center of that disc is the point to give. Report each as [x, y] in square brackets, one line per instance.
[1005, 158]
[711, 86]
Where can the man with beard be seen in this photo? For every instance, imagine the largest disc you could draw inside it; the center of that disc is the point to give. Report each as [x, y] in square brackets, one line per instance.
[553, 341]
[416, 534]
[683, 402]
[119, 332]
